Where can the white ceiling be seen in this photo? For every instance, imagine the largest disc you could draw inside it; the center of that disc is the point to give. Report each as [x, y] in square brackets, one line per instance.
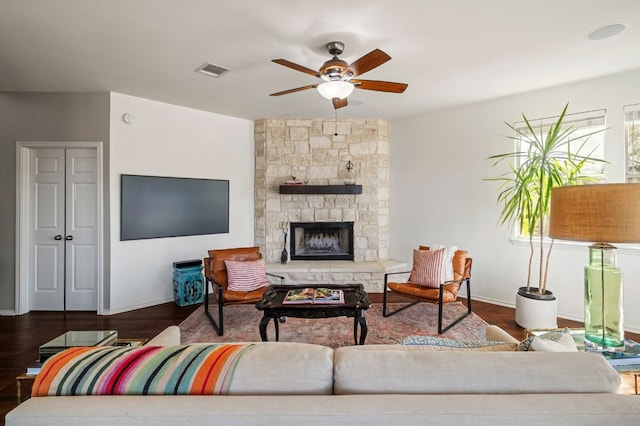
[450, 52]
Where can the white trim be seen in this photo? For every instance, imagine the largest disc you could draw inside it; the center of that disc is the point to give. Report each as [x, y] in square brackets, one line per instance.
[7, 313]
[130, 308]
[632, 249]
[560, 314]
[22, 305]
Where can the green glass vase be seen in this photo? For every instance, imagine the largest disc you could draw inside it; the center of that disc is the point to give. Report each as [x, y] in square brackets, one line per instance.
[603, 310]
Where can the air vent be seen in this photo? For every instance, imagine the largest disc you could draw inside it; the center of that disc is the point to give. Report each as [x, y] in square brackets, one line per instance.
[212, 69]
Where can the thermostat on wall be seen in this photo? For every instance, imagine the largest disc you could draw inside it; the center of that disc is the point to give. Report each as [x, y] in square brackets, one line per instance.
[128, 118]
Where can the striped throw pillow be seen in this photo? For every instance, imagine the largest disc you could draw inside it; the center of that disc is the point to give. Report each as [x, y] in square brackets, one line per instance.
[246, 275]
[427, 267]
[201, 369]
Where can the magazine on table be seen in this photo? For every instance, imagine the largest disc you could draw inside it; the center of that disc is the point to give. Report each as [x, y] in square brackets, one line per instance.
[630, 355]
[314, 295]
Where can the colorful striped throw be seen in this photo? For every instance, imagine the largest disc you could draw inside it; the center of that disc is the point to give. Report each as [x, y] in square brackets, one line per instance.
[148, 370]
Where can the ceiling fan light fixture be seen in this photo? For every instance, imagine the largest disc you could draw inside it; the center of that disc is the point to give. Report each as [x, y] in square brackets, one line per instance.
[335, 89]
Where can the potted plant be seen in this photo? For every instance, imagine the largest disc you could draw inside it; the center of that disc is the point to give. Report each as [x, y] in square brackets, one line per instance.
[543, 160]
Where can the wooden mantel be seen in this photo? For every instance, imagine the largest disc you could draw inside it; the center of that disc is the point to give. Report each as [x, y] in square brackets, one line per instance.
[320, 189]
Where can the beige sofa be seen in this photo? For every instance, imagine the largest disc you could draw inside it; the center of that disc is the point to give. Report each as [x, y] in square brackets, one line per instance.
[295, 383]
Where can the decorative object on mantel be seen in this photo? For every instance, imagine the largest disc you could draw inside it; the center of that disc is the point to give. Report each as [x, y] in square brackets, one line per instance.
[600, 214]
[350, 180]
[294, 181]
[284, 256]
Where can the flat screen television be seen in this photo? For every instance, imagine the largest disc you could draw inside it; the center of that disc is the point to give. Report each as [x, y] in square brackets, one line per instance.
[159, 207]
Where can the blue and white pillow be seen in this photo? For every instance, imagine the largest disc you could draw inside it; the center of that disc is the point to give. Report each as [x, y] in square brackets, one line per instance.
[448, 343]
[551, 341]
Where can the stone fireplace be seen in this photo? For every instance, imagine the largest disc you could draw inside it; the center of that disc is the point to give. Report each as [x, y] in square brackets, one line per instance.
[316, 152]
[321, 241]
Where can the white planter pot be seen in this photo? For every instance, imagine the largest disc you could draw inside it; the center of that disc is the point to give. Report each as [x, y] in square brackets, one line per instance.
[536, 313]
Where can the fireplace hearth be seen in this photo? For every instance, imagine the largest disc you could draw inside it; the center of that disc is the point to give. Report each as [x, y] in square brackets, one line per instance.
[321, 241]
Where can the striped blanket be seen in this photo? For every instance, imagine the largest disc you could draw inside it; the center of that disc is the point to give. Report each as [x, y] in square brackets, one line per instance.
[148, 370]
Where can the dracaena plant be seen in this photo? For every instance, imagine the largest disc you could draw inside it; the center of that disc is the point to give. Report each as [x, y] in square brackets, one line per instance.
[544, 160]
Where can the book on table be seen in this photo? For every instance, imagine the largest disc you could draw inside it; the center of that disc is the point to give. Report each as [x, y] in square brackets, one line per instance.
[630, 355]
[314, 295]
[34, 368]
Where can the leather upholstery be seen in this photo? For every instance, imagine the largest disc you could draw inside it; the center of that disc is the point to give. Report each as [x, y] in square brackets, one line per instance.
[459, 261]
[460, 271]
[447, 291]
[450, 291]
[216, 271]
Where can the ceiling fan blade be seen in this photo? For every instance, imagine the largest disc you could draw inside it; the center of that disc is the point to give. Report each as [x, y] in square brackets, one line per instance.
[296, 67]
[339, 103]
[297, 89]
[381, 86]
[373, 59]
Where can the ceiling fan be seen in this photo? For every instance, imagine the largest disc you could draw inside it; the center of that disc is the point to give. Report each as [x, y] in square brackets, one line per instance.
[339, 76]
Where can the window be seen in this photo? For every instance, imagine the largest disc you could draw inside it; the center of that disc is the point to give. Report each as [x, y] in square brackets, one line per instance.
[583, 123]
[586, 138]
[632, 141]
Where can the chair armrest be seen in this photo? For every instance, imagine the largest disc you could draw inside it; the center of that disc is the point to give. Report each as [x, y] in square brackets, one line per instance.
[269, 274]
[455, 281]
[393, 273]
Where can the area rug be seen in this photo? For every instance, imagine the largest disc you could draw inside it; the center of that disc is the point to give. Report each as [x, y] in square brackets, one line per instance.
[241, 325]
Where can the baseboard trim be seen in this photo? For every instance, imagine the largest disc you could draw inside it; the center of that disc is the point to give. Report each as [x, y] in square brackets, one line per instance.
[134, 307]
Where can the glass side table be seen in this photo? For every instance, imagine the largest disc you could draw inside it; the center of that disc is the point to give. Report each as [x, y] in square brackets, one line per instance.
[72, 339]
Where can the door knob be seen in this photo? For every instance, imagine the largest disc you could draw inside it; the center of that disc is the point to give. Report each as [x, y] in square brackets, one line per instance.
[57, 237]
[69, 237]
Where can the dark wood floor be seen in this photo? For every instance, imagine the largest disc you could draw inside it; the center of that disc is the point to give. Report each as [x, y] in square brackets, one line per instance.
[21, 336]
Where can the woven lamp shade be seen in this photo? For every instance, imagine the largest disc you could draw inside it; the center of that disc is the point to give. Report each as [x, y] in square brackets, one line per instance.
[604, 213]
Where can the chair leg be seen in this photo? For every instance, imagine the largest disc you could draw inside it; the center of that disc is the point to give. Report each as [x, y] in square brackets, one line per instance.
[385, 312]
[216, 327]
[457, 320]
[384, 298]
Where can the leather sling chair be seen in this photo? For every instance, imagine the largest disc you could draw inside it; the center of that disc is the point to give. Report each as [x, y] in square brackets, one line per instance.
[446, 292]
[215, 272]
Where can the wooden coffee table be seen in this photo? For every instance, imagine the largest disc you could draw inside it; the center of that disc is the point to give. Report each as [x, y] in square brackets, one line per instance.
[355, 304]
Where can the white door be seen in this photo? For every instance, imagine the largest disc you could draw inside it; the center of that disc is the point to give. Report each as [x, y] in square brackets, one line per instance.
[63, 248]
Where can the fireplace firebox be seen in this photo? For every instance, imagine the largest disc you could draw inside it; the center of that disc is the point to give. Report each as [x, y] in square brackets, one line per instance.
[321, 241]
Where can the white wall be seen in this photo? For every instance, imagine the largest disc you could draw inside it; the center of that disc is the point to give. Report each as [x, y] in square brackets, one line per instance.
[438, 195]
[169, 140]
[43, 117]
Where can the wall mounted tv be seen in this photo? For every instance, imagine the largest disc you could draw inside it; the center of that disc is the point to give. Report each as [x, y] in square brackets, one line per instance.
[158, 207]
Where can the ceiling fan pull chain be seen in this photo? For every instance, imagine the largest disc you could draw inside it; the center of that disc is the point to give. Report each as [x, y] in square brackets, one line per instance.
[335, 111]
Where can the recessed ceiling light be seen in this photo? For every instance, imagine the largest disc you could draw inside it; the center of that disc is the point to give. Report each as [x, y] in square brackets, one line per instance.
[606, 31]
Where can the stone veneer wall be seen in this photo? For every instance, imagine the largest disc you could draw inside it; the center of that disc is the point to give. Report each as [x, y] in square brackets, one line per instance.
[317, 151]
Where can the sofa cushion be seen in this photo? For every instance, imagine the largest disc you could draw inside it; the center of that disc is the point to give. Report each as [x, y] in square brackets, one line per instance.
[199, 369]
[410, 370]
[447, 264]
[170, 336]
[496, 334]
[552, 341]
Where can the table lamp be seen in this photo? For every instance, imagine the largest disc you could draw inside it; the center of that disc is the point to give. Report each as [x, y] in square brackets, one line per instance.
[601, 214]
